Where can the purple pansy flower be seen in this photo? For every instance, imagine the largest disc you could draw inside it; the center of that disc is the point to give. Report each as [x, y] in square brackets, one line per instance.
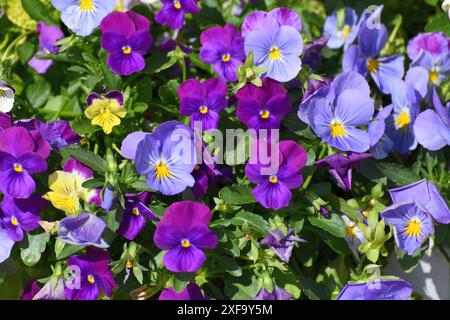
[314, 87]
[277, 294]
[127, 38]
[191, 292]
[379, 289]
[273, 190]
[58, 133]
[435, 43]
[20, 215]
[31, 289]
[184, 233]
[6, 245]
[271, 21]
[203, 101]
[83, 230]
[95, 276]
[340, 167]
[52, 290]
[82, 173]
[311, 53]
[399, 125]
[109, 199]
[48, 36]
[223, 48]
[282, 244]
[135, 214]
[336, 112]
[18, 162]
[341, 35]
[173, 12]
[426, 194]
[364, 58]
[432, 128]
[263, 107]
[380, 144]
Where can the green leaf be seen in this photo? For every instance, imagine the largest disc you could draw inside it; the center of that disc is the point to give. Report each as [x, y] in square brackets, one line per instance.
[169, 96]
[246, 292]
[254, 221]
[138, 274]
[181, 279]
[36, 246]
[93, 183]
[312, 289]
[112, 80]
[38, 11]
[333, 225]
[83, 126]
[229, 265]
[397, 173]
[439, 22]
[237, 195]
[90, 159]
[38, 92]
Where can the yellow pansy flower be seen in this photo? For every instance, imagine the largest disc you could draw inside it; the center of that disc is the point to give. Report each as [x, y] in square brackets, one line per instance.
[105, 111]
[64, 194]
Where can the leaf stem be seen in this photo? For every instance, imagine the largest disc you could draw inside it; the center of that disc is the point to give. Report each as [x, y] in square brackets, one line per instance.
[310, 176]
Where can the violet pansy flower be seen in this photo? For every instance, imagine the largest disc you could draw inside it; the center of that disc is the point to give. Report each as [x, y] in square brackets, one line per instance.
[282, 244]
[263, 107]
[202, 102]
[135, 214]
[58, 133]
[83, 230]
[6, 245]
[223, 48]
[432, 127]
[336, 112]
[271, 21]
[174, 11]
[341, 34]
[183, 231]
[380, 144]
[277, 294]
[48, 36]
[95, 275]
[379, 289]
[191, 292]
[314, 88]
[435, 43]
[126, 36]
[31, 289]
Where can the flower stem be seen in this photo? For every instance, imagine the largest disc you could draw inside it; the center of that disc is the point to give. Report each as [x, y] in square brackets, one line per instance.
[310, 176]
[14, 43]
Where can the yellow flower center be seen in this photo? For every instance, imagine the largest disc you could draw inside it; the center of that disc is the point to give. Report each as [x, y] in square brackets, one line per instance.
[1, 92]
[226, 57]
[18, 168]
[275, 53]
[197, 167]
[177, 4]
[413, 228]
[350, 231]
[264, 114]
[403, 119]
[90, 279]
[203, 109]
[129, 264]
[273, 179]
[337, 129]
[14, 221]
[86, 5]
[372, 65]
[433, 76]
[126, 50]
[365, 214]
[185, 243]
[135, 211]
[162, 171]
[345, 31]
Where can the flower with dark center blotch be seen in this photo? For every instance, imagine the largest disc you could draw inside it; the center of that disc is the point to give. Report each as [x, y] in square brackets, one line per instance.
[341, 34]
[340, 167]
[432, 127]
[412, 225]
[191, 292]
[183, 231]
[174, 11]
[202, 102]
[344, 106]
[105, 111]
[282, 244]
[135, 214]
[223, 48]
[263, 107]
[48, 36]
[378, 289]
[95, 276]
[6, 97]
[83, 230]
[19, 215]
[277, 294]
[83, 16]
[126, 36]
[18, 162]
[363, 57]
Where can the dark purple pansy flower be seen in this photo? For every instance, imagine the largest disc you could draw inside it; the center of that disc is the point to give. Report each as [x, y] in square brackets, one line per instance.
[135, 214]
[282, 244]
[18, 162]
[223, 48]
[48, 36]
[58, 133]
[263, 107]
[311, 53]
[20, 215]
[277, 294]
[314, 87]
[377, 290]
[184, 233]
[340, 167]
[191, 292]
[127, 38]
[173, 12]
[95, 276]
[30, 290]
[83, 230]
[202, 102]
